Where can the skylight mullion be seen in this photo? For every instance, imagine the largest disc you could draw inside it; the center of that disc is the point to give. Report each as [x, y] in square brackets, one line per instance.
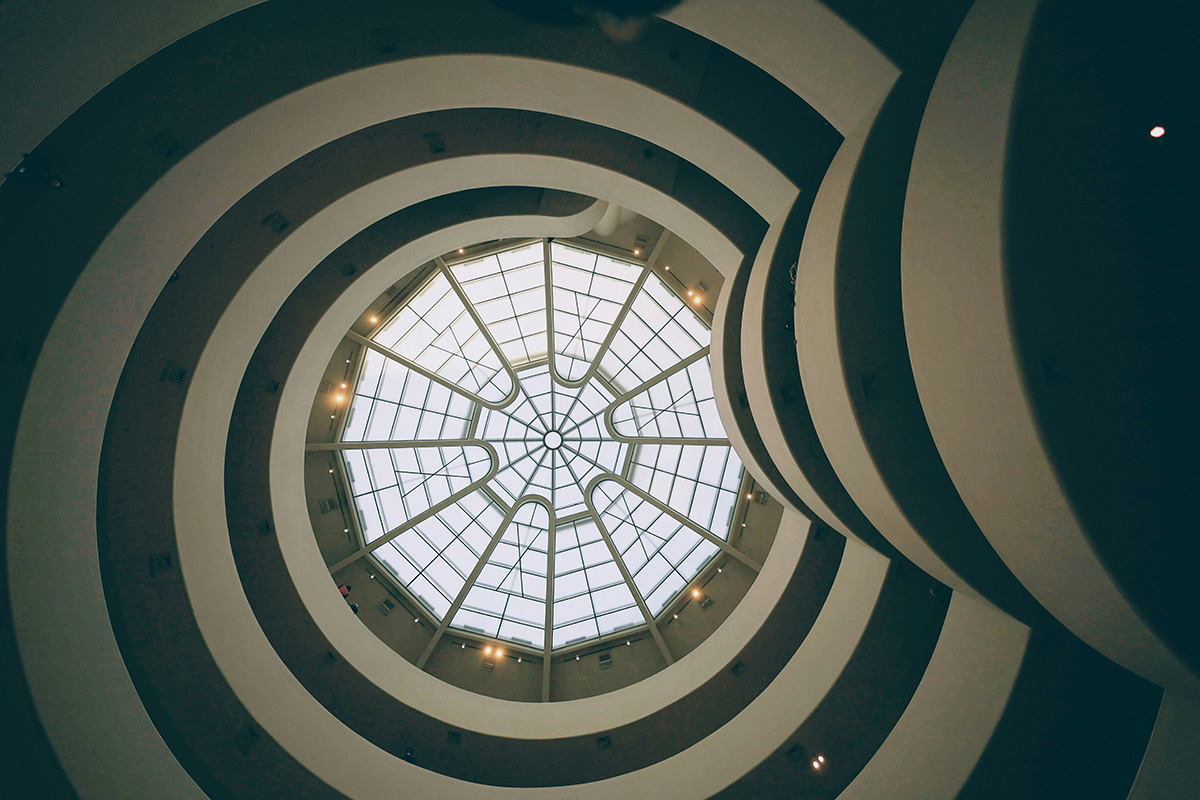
[408, 525]
[483, 328]
[548, 289]
[637, 596]
[548, 641]
[468, 585]
[675, 515]
[430, 374]
[612, 330]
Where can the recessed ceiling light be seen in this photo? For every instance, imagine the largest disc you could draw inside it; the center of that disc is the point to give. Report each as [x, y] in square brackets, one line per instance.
[637, 252]
[374, 320]
[1157, 131]
[461, 250]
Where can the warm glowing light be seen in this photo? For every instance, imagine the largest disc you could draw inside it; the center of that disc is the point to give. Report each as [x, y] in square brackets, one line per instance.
[816, 765]
[749, 497]
[499, 652]
[340, 398]
[690, 293]
[637, 252]
[697, 300]
[331, 416]
[676, 616]
[1157, 131]
[695, 592]
[343, 386]
[374, 320]
[668, 269]
[821, 759]
[487, 649]
[461, 250]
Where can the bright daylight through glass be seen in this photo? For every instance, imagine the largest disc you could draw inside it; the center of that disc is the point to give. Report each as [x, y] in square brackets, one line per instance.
[533, 445]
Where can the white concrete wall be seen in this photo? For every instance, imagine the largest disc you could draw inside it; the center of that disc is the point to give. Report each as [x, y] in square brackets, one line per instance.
[964, 357]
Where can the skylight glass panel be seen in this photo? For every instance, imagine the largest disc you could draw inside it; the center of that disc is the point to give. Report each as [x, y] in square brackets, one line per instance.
[681, 405]
[658, 332]
[393, 485]
[392, 403]
[589, 291]
[437, 332]
[509, 598]
[699, 481]
[508, 291]
[591, 598]
[434, 558]
[550, 441]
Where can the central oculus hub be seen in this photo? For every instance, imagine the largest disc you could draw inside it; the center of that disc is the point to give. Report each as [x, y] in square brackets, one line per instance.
[553, 440]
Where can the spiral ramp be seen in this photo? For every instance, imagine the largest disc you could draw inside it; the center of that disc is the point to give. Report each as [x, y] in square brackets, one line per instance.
[950, 344]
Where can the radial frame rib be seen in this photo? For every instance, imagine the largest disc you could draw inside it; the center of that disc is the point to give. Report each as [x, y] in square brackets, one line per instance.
[675, 515]
[469, 584]
[427, 513]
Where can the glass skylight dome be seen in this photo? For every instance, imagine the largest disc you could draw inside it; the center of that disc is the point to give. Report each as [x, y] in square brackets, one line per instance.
[533, 445]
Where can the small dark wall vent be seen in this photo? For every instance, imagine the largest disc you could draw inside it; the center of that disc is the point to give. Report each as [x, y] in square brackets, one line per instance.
[246, 741]
[605, 660]
[276, 222]
[160, 562]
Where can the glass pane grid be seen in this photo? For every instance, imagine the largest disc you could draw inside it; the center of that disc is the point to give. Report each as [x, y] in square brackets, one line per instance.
[550, 441]
[658, 332]
[681, 405]
[589, 291]
[509, 294]
[435, 330]
[657, 550]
